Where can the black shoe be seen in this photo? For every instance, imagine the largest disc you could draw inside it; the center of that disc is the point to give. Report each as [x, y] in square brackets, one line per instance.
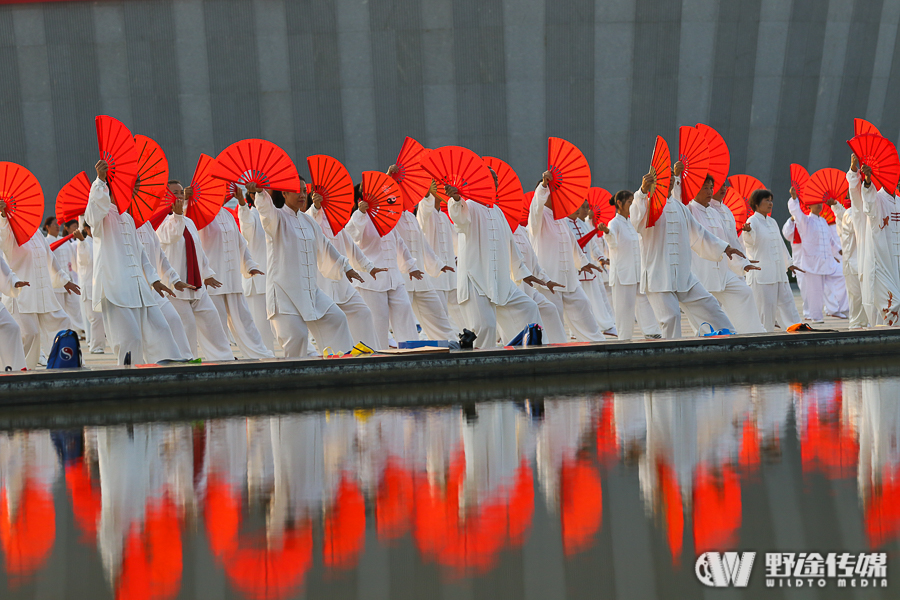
[467, 339]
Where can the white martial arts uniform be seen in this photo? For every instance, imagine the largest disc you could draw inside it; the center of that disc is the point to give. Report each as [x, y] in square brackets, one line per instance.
[625, 278]
[70, 303]
[229, 257]
[84, 259]
[790, 233]
[429, 307]
[770, 285]
[386, 295]
[441, 236]
[592, 282]
[12, 352]
[36, 308]
[296, 251]
[131, 316]
[850, 264]
[347, 297]
[202, 323]
[158, 259]
[488, 264]
[255, 287]
[819, 258]
[562, 259]
[554, 330]
[719, 278]
[666, 275]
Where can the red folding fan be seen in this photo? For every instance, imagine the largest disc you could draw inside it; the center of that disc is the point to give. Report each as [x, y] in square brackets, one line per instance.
[598, 200]
[257, 161]
[208, 193]
[413, 180]
[61, 241]
[464, 170]
[799, 179]
[526, 208]
[826, 184]
[152, 179]
[384, 198]
[662, 164]
[571, 177]
[826, 212]
[509, 191]
[72, 199]
[331, 180]
[745, 185]
[118, 150]
[738, 207]
[21, 192]
[234, 213]
[719, 157]
[693, 152]
[881, 155]
[861, 126]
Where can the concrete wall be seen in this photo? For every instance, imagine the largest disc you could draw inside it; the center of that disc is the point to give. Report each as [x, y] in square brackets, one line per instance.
[780, 79]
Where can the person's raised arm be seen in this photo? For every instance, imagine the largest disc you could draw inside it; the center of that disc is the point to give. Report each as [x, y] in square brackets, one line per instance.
[99, 200]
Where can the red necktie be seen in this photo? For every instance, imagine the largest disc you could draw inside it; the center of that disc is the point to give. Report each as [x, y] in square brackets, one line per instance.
[193, 267]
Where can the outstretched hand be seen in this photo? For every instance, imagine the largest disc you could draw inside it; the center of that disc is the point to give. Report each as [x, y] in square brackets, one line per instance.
[532, 281]
[351, 275]
[212, 282]
[374, 272]
[161, 289]
[732, 252]
[417, 274]
[72, 288]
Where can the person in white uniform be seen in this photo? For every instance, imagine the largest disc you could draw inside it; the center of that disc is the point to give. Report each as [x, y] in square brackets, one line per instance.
[790, 233]
[820, 261]
[592, 280]
[666, 250]
[850, 264]
[296, 251]
[65, 256]
[551, 319]
[625, 272]
[563, 260]
[84, 259]
[255, 287]
[770, 285]
[229, 257]
[441, 236]
[12, 351]
[386, 296]
[180, 242]
[131, 317]
[488, 263]
[718, 277]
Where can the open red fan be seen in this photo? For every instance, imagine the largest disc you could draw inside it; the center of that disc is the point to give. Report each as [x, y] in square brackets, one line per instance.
[693, 152]
[72, 199]
[881, 155]
[745, 185]
[826, 212]
[526, 208]
[413, 180]
[738, 207]
[384, 198]
[861, 126]
[509, 191]
[464, 170]
[208, 193]
[719, 157]
[24, 199]
[118, 150]
[152, 179]
[257, 161]
[799, 179]
[163, 210]
[331, 180]
[598, 200]
[662, 164]
[826, 184]
[571, 177]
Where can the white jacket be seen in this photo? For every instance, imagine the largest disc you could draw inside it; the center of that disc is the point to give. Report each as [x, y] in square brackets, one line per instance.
[171, 237]
[84, 261]
[441, 236]
[847, 234]
[388, 252]
[411, 233]
[820, 246]
[764, 244]
[157, 258]
[253, 232]
[228, 253]
[554, 243]
[714, 275]
[33, 262]
[340, 290]
[624, 252]
[523, 244]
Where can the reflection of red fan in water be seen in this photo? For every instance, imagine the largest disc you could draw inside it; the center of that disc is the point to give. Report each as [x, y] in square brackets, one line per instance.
[24, 199]
[719, 157]
[509, 191]
[581, 499]
[72, 199]
[693, 152]
[153, 175]
[861, 126]
[413, 180]
[118, 150]
[462, 169]
[385, 203]
[571, 177]
[598, 201]
[260, 162]
[881, 156]
[738, 207]
[662, 164]
[331, 180]
[208, 194]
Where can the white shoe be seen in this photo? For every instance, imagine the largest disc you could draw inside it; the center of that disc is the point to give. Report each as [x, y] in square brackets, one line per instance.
[98, 351]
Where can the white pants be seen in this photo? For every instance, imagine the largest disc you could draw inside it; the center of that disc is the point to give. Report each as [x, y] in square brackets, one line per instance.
[12, 352]
[484, 317]
[233, 310]
[141, 331]
[451, 305]
[391, 308]
[203, 328]
[34, 326]
[836, 302]
[738, 303]
[578, 313]
[257, 305]
[602, 309]
[331, 332]
[554, 330]
[176, 327]
[775, 300]
[858, 316]
[628, 302]
[813, 294]
[697, 303]
[71, 304]
[360, 321]
[95, 332]
[432, 315]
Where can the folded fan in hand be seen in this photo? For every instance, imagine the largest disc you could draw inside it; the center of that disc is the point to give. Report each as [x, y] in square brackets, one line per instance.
[24, 199]
[571, 177]
[118, 150]
[463, 169]
[662, 164]
[331, 180]
[384, 198]
[259, 162]
[509, 191]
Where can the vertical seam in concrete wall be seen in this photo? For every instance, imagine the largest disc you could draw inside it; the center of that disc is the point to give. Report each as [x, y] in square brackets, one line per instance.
[439, 74]
[192, 62]
[696, 60]
[881, 69]
[276, 118]
[890, 116]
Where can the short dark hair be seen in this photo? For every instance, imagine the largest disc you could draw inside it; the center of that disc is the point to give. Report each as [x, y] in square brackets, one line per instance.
[620, 196]
[171, 181]
[758, 196]
[278, 198]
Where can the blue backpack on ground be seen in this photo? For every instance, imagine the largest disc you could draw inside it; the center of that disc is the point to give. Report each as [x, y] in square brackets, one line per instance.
[66, 351]
[532, 335]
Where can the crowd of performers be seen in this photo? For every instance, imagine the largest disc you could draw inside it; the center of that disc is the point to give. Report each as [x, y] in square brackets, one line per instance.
[279, 276]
